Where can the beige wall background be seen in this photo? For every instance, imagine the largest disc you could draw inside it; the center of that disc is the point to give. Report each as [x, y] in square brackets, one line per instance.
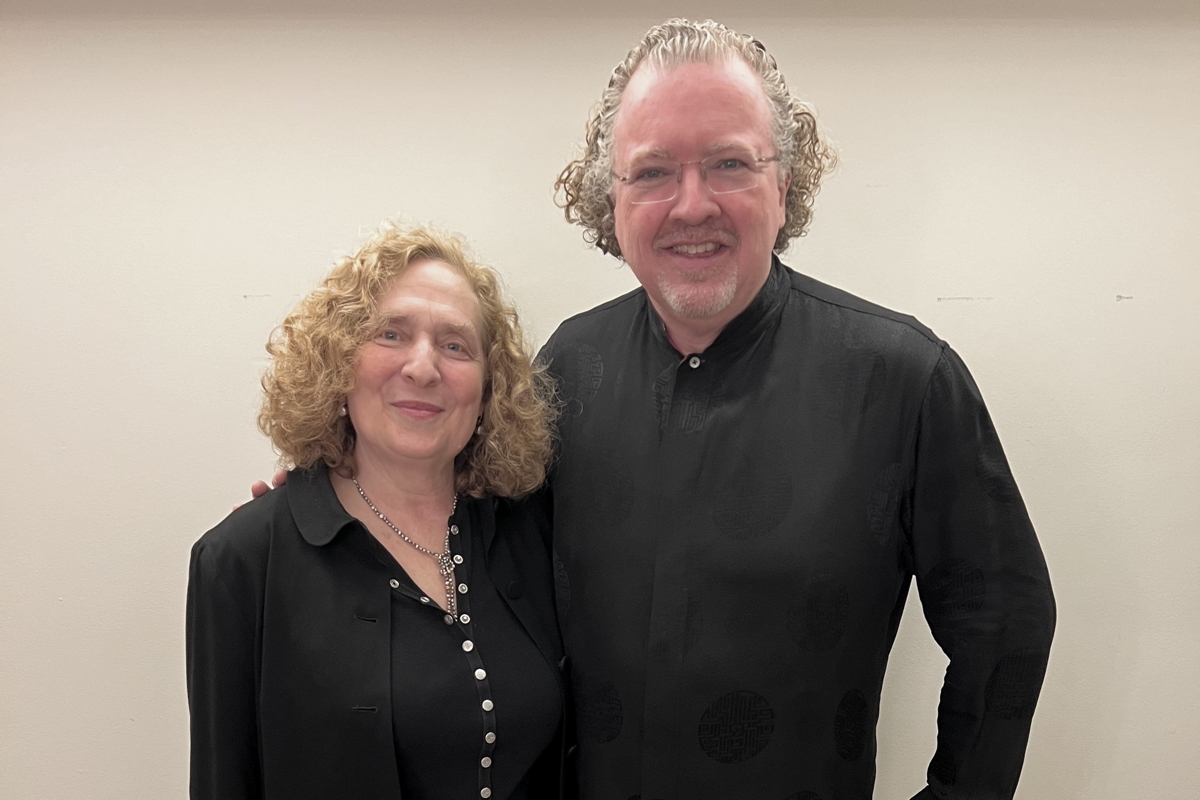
[1023, 177]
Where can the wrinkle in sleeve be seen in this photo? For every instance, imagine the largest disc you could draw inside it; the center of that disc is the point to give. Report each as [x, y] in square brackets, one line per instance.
[221, 685]
[984, 589]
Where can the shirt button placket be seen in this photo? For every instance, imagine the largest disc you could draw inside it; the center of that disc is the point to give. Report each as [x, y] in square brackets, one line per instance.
[489, 726]
[483, 686]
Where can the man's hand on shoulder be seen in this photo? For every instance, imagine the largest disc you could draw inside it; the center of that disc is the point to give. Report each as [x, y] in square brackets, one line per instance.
[259, 488]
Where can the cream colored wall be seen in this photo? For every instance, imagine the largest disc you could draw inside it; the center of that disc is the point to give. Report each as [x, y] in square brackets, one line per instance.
[169, 185]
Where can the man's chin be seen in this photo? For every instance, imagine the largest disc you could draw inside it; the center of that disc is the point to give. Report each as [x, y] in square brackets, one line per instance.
[699, 301]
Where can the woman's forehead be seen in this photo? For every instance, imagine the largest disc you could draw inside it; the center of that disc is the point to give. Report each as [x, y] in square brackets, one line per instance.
[432, 290]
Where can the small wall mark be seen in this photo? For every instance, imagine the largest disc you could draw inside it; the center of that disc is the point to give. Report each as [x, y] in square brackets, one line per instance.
[1121, 297]
[963, 299]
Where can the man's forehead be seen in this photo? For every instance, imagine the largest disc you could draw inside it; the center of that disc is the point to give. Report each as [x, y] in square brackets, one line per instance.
[705, 72]
[718, 93]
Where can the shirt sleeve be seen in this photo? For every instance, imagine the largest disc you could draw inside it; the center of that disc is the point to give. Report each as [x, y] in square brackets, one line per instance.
[984, 589]
[221, 685]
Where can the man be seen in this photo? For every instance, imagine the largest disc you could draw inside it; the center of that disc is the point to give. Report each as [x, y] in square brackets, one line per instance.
[754, 466]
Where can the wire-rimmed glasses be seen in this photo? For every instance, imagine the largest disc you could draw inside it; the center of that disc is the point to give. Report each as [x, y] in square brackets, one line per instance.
[657, 180]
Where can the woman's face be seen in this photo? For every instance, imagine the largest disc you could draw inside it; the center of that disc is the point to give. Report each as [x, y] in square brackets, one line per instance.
[418, 383]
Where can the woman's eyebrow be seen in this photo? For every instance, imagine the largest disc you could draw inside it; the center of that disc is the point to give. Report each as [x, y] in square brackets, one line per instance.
[463, 328]
[402, 318]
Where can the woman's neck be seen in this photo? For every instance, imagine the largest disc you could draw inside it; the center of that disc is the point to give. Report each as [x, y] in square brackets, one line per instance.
[415, 496]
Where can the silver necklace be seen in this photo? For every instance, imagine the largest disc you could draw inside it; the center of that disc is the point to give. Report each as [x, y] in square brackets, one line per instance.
[444, 559]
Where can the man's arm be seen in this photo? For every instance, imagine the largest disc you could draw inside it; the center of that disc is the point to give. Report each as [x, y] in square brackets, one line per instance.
[984, 588]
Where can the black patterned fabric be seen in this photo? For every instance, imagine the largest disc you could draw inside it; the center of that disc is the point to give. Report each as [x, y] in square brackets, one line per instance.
[735, 534]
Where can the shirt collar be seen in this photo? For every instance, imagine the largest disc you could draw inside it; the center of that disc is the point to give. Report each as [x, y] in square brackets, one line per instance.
[320, 516]
[315, 506]
[745, 327]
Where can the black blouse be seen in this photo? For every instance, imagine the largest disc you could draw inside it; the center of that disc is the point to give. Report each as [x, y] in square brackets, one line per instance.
[735, 533]
[474, 703]
[315, 670]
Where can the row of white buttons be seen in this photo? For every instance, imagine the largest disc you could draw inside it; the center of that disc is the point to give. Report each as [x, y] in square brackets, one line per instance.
[467, 646]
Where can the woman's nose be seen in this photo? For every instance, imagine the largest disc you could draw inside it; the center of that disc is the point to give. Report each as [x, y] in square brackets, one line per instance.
[421, 362]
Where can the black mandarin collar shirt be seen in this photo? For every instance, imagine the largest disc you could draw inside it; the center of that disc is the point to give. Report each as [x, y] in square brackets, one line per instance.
[735, 533]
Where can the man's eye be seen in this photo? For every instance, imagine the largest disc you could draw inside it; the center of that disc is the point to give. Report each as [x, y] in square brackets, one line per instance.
[454, 347]
[650, 174]
[730, 165]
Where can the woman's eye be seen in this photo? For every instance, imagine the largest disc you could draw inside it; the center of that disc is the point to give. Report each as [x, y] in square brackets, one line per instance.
[390, 336]
[455, 347]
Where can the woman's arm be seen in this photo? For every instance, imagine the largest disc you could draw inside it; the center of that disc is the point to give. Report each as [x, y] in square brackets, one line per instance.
[221, 685]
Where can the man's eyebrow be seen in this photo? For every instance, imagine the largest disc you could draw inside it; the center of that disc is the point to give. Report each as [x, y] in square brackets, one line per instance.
[717, 147]
[654, 152]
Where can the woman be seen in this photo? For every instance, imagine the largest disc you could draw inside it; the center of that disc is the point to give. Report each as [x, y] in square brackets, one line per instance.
[381, 627]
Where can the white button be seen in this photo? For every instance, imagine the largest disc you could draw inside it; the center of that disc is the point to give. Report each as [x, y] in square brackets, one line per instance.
[480, 674]
[487, 705]
[449, 620]
[465, 618]
[485, 762]
[462, 588]
[424, 599]
[458, 559]
[489, 737]
[485, 792]
[694, 362]
[395, 584]
[454, 529]
[468, 645]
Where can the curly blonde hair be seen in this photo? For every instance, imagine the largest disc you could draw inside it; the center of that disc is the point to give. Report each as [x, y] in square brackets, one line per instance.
[584, 188]
[315, 350]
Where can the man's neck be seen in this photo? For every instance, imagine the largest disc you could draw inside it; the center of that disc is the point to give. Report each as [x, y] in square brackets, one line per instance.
[696, 334]
[691, 338]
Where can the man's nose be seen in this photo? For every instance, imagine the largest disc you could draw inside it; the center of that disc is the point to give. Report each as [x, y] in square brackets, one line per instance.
[693, 201]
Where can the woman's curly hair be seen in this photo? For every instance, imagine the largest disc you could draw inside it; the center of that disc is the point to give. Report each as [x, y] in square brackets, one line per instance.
[315, 350]
[584, 189]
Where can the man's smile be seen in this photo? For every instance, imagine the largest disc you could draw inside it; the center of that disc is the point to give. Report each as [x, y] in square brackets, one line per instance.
[695, 249]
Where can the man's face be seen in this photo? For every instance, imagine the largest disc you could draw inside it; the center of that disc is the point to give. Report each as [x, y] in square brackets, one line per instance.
[701, 256]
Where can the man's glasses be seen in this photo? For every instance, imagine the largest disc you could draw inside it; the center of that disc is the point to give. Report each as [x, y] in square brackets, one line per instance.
[658, 181]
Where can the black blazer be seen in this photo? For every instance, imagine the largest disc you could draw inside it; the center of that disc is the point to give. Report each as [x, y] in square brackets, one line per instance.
[289, 646]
